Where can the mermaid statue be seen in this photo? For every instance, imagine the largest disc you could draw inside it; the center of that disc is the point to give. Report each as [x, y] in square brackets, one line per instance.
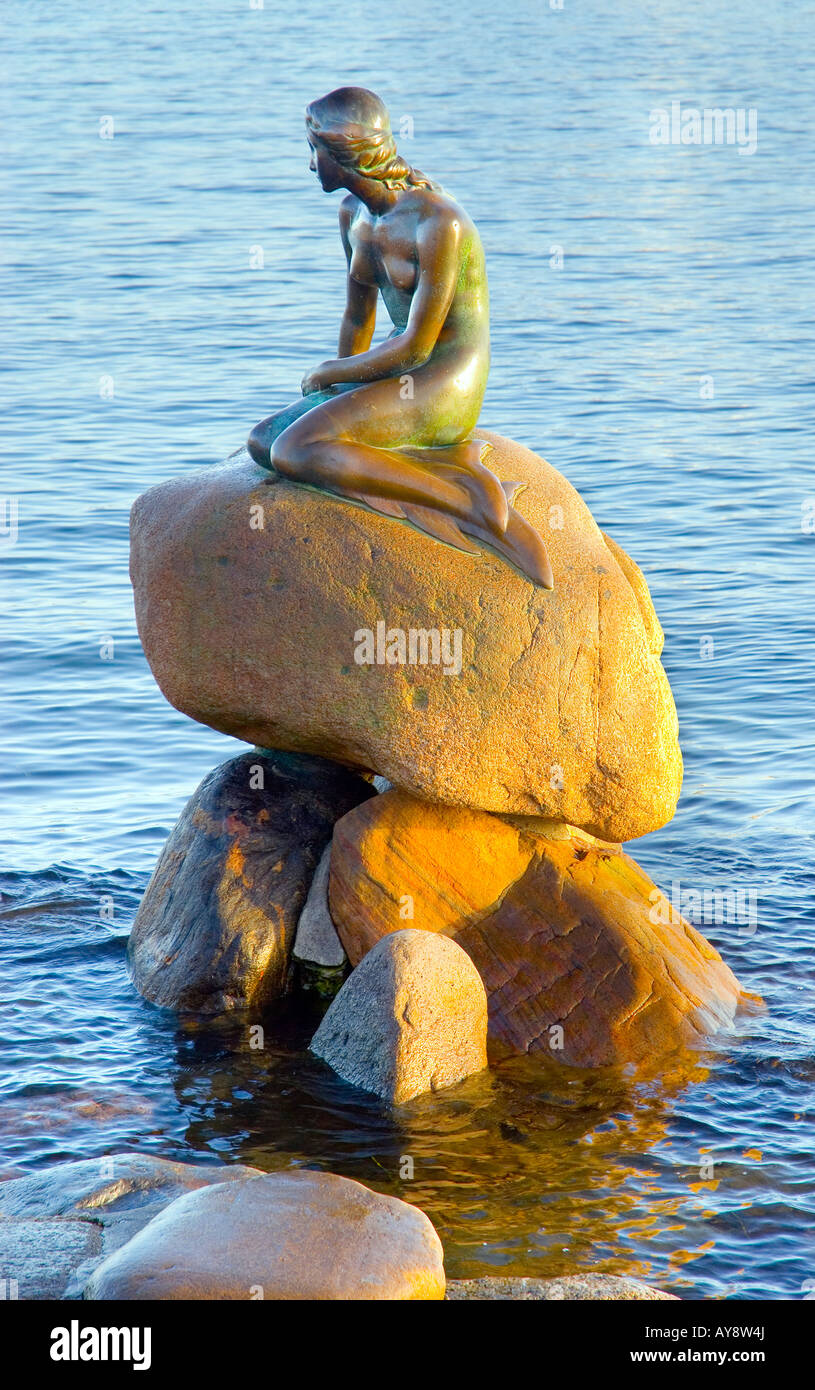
[391, 427]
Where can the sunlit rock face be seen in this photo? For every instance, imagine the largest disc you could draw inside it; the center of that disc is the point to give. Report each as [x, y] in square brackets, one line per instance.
[296, 620]
[582, 957]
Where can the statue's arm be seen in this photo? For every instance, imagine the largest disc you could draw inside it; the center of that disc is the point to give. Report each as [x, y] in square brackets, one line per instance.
[359, 319]
[438, 248]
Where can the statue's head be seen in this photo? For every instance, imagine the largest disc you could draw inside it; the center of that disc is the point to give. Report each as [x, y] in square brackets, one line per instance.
[349, 130]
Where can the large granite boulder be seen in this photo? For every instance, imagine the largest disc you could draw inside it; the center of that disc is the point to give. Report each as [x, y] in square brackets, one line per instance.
[216, 925]
[294, 1235]
[411, 1018]
[581, 956]
[281, 615]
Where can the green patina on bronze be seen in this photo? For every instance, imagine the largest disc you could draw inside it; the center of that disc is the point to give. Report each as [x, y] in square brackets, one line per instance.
[391, 427]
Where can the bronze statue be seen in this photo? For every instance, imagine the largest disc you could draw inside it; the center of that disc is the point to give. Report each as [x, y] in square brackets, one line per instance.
[392, 426]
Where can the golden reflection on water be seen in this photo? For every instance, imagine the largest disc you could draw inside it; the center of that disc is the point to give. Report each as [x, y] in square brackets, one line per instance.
[573, 1189]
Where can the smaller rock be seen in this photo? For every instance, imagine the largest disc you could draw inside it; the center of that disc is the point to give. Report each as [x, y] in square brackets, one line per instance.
[316, 941]
[57, 1224]
[291, 1235]
[411, 1018]
[570, 1288]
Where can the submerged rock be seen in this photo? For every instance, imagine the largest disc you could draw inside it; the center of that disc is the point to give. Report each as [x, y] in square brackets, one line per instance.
[283, 615]
[581, 956]
[411, 1018]
[290, 1235]
[119, 1188]
[216, 925]
[572, 1287]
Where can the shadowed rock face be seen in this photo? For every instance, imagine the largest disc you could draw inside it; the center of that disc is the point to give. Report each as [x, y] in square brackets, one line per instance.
[576, 948]
[316, 942]
[290, 1235]
[216, 926]
[250, 600]
[117, 1190]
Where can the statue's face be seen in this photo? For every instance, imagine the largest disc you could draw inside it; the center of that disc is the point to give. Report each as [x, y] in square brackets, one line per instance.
[328, 171]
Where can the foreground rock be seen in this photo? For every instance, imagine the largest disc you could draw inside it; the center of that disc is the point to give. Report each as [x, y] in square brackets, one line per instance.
[58, 1223]
[253, 602]
[572, 1287]
[291, 1235]
[39, 1259]
[411, 1018]
[216, 926]
[574, 943]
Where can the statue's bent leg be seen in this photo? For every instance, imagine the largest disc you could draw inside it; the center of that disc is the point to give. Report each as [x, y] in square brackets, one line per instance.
[343, 446]
[369, 445]
[264, 434]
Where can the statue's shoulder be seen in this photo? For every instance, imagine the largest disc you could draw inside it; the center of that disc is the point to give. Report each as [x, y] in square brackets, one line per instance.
[350, 208]
[436, 206]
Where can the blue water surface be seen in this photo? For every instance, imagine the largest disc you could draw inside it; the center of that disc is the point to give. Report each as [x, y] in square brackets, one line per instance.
[170, 269]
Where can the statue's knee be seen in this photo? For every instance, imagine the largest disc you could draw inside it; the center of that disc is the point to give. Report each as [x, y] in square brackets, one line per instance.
[286, 458]
[296, 456]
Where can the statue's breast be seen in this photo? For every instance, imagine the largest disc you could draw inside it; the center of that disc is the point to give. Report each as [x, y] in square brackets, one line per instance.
[381, 260]
[401, 273]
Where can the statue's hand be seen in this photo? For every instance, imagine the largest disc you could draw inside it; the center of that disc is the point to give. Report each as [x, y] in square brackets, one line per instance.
[314, 381]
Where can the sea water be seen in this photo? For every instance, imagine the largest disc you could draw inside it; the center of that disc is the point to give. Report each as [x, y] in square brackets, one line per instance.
[171, 269]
